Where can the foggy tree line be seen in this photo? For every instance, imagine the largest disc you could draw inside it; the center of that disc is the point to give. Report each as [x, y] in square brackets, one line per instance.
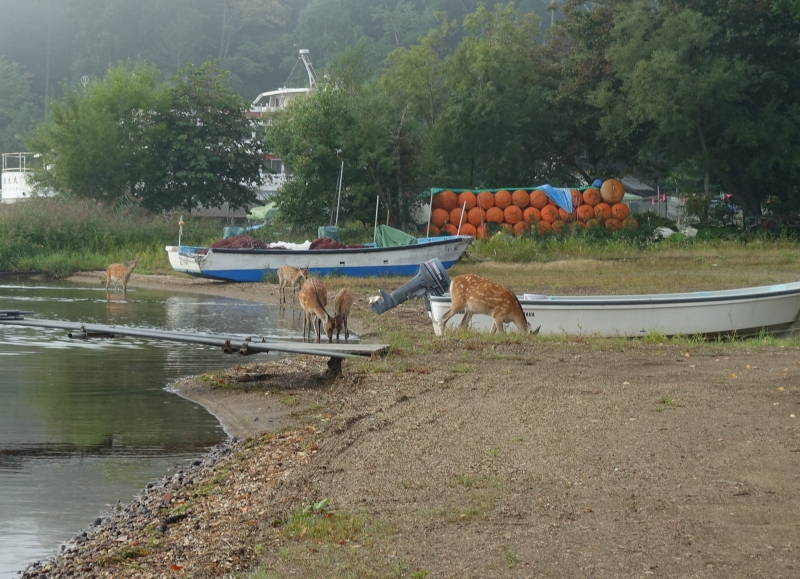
[48, 44]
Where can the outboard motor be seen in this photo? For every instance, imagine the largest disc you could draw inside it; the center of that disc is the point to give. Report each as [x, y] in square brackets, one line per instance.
[431, 279]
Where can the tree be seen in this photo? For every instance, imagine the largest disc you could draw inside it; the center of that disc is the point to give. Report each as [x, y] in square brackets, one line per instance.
[703, 84]
[17, 109]
[94, 143]
[203, 150]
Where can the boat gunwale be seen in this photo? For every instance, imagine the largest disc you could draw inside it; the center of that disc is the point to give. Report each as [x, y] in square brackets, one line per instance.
[718, 296]
[273, 251]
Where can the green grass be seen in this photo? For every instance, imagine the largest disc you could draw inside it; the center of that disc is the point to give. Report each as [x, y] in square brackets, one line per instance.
[61, 235]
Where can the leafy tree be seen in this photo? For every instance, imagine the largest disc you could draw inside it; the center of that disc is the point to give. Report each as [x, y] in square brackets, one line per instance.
[94, 141]
[203, 150]
[17, 109]
[707, 84]
[487, 124]
[185, 144]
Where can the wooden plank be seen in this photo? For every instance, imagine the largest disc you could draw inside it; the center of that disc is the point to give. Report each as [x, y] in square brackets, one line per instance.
[358, 349]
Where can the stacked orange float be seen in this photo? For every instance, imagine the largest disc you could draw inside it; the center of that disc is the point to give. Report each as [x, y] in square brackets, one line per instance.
[519, 211]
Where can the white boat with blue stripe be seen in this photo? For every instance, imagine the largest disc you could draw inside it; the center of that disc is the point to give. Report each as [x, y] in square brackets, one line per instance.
[253, 265]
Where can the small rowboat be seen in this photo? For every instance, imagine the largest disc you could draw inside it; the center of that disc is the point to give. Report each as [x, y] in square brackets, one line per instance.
[740, 312]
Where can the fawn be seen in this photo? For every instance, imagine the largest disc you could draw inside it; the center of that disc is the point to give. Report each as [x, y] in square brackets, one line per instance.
[117, 273]
[341, 308]
[313, 298]
[288, 275]
[478, 294]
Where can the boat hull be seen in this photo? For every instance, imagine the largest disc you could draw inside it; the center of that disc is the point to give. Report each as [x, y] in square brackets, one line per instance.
[253, 265]
[741, 312]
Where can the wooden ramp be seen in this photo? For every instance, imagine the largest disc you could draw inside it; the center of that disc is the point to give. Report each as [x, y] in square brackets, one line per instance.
[230, 344]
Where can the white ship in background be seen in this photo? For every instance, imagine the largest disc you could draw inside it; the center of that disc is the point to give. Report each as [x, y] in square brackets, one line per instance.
[16, 174]
[274, 101]
[274, 173]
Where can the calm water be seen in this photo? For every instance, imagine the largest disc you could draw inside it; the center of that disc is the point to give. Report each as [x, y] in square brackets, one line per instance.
[84, 424]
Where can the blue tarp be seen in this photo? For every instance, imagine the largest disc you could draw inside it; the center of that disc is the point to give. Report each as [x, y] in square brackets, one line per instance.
[561, 197]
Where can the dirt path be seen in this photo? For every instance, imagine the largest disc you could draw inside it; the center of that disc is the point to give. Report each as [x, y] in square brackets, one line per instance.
[525, 457]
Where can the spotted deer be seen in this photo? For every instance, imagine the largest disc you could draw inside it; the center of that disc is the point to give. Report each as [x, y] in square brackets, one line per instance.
[479, 295]
[288, 275]
[341, 310]
[118, 273]
[313, 298]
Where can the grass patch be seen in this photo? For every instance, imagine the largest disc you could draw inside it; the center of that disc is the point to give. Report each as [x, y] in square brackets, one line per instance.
[666, 404]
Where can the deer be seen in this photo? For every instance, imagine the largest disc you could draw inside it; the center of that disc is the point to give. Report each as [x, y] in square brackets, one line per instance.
[341, 308]
[479, 295]
[117, 273]
[288, 275]
[313, 298]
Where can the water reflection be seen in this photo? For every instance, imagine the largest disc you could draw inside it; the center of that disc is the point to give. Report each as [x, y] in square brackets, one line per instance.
[85, 423]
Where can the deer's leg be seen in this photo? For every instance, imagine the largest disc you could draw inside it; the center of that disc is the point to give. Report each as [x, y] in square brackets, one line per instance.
[346, 330]
[466, 319]
[455, 305]
[498, 325]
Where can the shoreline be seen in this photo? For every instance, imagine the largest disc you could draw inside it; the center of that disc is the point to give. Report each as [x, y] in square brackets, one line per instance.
[491, 456]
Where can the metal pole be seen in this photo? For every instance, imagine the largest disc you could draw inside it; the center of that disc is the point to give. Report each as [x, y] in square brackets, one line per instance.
[339, 200]
[460, 221]
[180, 230]
[430, 211]
[375, 231]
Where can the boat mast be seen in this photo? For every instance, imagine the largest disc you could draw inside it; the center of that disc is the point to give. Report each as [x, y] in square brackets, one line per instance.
[312, 75]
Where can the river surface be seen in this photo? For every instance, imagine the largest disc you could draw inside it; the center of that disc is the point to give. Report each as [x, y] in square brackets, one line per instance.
[85, 424]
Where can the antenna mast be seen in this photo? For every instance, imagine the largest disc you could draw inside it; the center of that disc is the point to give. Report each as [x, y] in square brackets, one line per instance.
[312, 75]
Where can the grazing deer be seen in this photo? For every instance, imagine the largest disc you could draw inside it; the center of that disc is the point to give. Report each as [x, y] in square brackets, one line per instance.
[313, 298]
[341, 309]
[288, 275]
[480, 295]
[117, 273]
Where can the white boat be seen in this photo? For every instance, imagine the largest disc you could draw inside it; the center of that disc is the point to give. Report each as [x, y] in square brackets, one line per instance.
[740, 312]
[252, 265]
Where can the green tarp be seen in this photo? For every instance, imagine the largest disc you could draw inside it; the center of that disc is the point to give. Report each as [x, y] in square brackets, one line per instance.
[390, 237]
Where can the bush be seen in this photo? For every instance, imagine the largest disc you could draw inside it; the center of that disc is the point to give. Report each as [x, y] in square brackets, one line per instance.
[62, 234]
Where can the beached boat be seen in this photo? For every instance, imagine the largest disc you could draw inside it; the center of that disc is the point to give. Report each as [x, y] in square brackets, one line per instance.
[252, 265]
[741, 312]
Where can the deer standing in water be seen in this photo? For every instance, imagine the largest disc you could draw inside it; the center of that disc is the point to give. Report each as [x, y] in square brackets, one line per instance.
[341, 309]
[313, 298]
[288, 275]
[117, 273]
[479, 295]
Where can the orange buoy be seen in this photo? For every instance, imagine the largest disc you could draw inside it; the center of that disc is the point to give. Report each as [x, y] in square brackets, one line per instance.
[521, 198]
[456, 217]
[585, 212]
[495, 215]
[502, 199]
[446, 200]
[538, 199]
[485, 200]
[613, 224]
[476, 216]
[612, 191]
[549, 213]
[543, 226]
[531, 215]
[521, 228]
[620, 211]
[468, 229]
[439, 217]
[469, 198]
[512, 214]
[602, 210]
[592, 197]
